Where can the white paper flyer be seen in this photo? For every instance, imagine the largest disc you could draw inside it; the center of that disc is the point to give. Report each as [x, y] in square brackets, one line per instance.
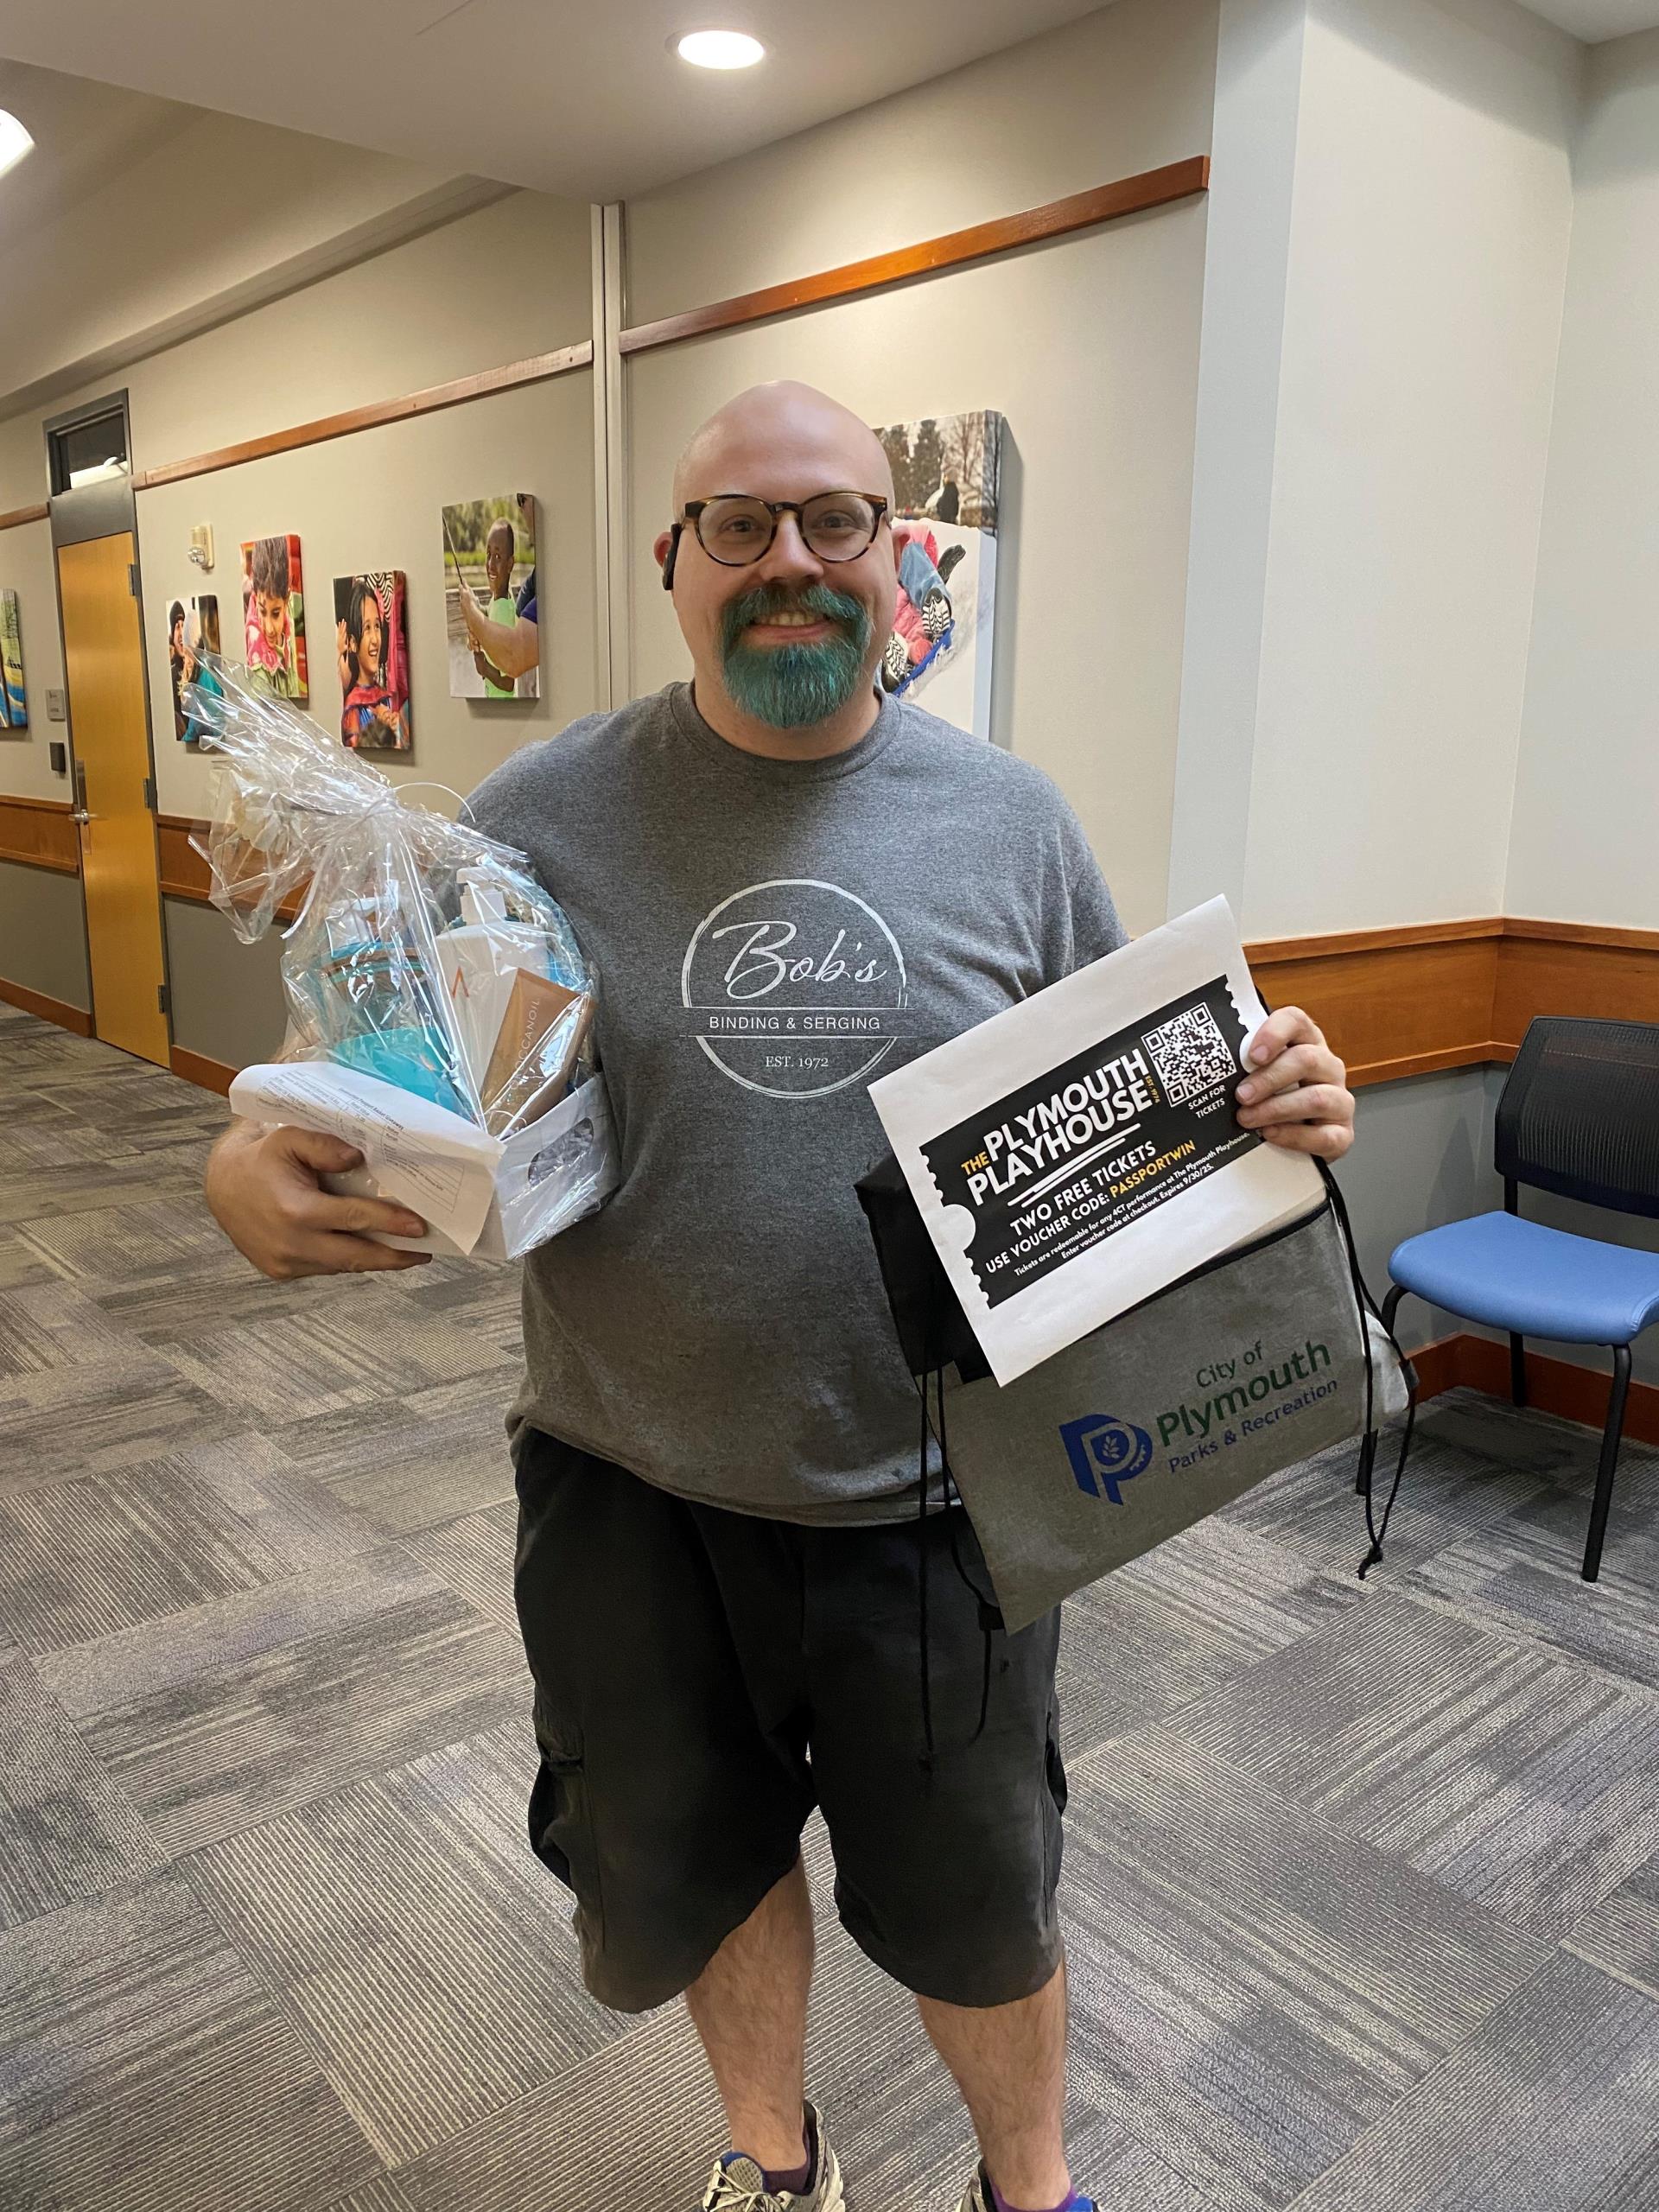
[1079, 1151]
[418, 1153]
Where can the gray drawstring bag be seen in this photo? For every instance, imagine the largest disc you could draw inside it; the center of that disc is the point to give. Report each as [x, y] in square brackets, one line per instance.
[1246, 1365]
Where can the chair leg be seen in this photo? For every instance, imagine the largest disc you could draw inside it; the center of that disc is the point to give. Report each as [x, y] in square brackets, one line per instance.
[1517, 1369]
[1610, 1439]
[1391, 1307]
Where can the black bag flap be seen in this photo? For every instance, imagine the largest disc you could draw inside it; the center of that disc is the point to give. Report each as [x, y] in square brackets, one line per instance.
[933, 1331]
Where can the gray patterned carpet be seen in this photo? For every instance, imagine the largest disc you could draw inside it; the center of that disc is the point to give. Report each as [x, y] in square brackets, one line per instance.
[1363, 1879]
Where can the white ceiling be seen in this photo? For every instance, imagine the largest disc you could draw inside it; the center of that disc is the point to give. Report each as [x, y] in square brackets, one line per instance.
[567, 96]
[1595, 20]
[85, 134]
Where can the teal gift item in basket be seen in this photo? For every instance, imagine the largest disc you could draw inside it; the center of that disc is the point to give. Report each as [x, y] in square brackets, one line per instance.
[440, 1009]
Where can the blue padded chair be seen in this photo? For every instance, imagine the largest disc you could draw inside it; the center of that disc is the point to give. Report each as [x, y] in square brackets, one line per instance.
[1579, 1115]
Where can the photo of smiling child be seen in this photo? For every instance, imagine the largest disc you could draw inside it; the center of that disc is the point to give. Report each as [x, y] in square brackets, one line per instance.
[273, 611]
[372, 640]
[490, 613]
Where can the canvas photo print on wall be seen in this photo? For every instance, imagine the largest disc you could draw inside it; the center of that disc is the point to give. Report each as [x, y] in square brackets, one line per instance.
[945, 470]
[273, 617]
[14, 700]
[372, 640]
[200, 636]
[490, 613]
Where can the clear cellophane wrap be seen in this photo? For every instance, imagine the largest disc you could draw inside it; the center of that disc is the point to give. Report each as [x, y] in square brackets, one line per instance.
[423, 953]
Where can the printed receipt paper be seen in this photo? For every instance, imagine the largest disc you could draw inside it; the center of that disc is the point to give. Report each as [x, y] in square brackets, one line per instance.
[419, 1154]
[1078, 1152]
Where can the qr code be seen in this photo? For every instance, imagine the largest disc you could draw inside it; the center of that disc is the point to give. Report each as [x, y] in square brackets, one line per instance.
[1190, 1055]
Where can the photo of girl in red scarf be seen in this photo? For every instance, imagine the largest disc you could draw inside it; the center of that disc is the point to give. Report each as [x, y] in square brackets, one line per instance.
[372, 636]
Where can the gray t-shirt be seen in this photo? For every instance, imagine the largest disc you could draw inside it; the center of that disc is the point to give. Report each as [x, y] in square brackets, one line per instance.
[769, 936]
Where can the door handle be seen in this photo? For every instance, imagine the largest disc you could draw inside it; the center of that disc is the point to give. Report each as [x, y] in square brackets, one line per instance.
[80, 814]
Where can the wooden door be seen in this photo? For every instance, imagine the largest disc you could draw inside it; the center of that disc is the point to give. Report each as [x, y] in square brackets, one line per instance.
[104, 666]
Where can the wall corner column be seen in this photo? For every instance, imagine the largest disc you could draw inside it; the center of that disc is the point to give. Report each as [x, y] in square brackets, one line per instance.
[1258, 102]
[613, 644]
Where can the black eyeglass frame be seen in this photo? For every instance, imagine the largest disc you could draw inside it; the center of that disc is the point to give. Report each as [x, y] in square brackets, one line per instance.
[694, 509]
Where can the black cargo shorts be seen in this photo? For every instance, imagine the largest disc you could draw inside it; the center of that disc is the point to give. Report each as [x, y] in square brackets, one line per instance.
[704, 1678]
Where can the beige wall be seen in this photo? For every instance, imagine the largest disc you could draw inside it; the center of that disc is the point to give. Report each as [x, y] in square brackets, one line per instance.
[1586, 804]
[1121, 91]
[1088, 346]
[497, 285]
[26, 567]
[372, 501]
[1432, 212]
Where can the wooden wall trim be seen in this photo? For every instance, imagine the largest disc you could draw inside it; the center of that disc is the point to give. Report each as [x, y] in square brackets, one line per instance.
[1266, 952]
[16, 515]
[184, 873]
[1437, 996]
[205, 1074]
[509, 378]
[74, 1018]
[1554, 1386]
[1079, 211]
[1424, 999]
[1601, 933]
[40, 833]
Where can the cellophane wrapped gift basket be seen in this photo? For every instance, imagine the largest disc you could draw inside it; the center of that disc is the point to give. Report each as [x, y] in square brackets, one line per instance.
[440, 1010]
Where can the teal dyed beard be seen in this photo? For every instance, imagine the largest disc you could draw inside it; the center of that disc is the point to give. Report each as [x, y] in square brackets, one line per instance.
[790, 686]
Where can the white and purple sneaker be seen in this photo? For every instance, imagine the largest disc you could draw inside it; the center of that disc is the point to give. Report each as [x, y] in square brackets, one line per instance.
[737, 2184]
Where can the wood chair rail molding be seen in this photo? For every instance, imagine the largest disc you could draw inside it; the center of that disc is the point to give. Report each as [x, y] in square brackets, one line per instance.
[508, 378]
[1431, 995]
[16, 515]
[1393, 1002]
[185, 874]
[1079, 211]
[41, 833]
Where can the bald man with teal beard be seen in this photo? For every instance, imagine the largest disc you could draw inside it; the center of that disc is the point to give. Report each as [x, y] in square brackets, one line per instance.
[786, 883]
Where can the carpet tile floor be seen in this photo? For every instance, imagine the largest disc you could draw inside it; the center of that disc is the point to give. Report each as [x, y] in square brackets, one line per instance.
[1362, 1878]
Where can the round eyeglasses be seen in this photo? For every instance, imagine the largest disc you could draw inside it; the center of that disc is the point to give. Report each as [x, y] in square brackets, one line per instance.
[735, 529]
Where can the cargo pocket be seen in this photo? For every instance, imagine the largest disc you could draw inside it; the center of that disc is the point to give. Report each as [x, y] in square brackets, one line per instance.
[562, 1826]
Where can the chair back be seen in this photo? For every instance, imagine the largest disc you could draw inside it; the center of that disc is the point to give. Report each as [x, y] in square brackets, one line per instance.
[1579, 1112]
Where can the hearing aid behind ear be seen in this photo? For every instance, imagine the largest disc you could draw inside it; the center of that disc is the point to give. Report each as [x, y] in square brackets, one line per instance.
[673, 556]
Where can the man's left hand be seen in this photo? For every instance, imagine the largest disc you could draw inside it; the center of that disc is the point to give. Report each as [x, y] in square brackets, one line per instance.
[1296, 1094]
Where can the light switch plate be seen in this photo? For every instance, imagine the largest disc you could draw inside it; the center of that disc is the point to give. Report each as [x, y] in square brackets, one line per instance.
[57, 709]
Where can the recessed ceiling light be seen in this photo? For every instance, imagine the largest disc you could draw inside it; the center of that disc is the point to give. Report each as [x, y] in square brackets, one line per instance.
[14, 141]
[719, 49]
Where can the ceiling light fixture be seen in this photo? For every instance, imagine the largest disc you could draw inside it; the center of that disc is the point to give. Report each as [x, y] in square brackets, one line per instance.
[719, 49]
[14, 141]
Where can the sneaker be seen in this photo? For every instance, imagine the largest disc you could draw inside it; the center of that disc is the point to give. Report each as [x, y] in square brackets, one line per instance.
[979, 2197]
[737, 2184]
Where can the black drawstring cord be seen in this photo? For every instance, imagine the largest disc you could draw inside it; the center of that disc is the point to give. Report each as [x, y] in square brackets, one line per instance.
[1368, 1442]
[990, 1618]
[921, 1535]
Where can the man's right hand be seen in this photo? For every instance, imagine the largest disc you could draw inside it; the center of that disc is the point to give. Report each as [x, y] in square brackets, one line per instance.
[263, 1191]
